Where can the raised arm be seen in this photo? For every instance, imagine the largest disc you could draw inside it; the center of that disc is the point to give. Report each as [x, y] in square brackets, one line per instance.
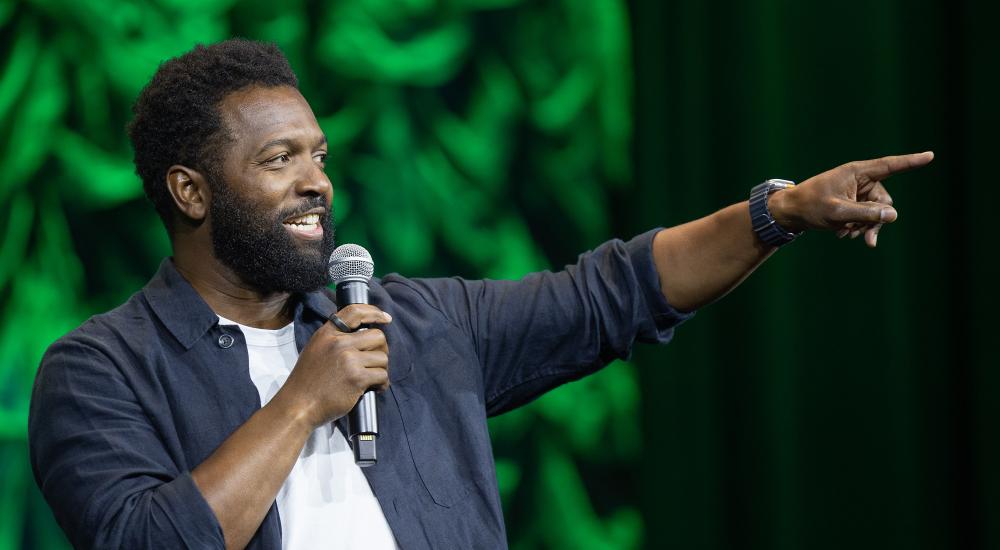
[700, 261]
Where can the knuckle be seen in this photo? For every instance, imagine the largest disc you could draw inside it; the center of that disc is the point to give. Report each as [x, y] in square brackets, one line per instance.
[328, 333]
[356, 379]
[375, 363]
[339, 342]
[834, 209]
[345, 313]
[354, 315]
[348, 357]
[354, 312]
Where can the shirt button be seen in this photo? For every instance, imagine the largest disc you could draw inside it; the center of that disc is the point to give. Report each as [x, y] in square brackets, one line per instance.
[226, 341]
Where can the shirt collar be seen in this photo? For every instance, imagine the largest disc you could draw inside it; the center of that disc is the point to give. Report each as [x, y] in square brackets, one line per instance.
[318, 302]
[186, 315]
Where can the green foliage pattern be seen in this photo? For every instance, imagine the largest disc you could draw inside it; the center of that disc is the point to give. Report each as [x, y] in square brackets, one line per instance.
[459, 130]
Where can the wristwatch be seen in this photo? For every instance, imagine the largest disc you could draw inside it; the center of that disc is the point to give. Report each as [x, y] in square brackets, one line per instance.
[764, 225]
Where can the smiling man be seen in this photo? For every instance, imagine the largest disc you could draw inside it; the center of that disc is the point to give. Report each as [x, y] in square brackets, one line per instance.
[208, 410]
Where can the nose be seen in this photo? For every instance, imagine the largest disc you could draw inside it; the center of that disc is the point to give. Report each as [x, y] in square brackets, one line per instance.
[314, 181]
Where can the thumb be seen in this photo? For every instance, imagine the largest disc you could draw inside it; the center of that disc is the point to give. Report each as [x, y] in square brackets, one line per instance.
[869, 212]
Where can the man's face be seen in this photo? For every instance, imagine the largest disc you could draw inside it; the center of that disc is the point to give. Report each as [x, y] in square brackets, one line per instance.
[270, 211]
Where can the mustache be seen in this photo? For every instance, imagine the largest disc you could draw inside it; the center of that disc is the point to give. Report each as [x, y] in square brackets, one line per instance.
[306, 206]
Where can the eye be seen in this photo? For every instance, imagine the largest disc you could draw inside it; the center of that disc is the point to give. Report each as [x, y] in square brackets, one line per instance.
[283, 158]
[320, 157]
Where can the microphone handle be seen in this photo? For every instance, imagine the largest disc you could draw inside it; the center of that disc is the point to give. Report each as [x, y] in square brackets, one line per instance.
[362, 421]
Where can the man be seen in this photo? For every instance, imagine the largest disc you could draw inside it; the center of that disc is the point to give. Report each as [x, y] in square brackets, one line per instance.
[208, 410]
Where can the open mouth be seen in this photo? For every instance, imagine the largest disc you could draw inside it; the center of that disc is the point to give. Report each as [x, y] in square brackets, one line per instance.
[306, 225]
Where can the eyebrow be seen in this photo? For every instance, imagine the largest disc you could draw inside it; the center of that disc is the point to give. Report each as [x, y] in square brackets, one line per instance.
[288, 143]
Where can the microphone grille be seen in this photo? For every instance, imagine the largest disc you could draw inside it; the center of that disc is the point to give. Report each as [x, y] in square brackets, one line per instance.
[350, 262]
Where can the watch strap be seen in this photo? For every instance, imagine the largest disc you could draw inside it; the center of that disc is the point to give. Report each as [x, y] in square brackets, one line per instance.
[764, 225]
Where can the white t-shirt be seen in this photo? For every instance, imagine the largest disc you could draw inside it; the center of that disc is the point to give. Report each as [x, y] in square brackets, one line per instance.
[326, 501]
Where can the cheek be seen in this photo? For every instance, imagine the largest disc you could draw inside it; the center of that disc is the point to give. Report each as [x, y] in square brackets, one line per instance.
[266, 189]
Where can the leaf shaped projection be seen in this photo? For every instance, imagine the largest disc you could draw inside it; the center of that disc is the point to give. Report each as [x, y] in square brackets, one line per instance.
[475, 137]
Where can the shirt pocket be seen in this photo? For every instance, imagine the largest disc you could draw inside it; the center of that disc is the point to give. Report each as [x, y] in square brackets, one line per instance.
[444, 420]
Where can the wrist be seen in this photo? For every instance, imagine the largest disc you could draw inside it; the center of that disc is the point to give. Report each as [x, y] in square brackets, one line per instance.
[781, 205]
[762, 219]
[296, 412]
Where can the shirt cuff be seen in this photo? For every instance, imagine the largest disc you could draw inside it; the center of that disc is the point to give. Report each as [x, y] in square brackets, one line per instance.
[664, 315]
[195, 522]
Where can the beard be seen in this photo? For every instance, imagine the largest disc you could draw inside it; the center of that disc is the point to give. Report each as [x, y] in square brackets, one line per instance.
[256, 246]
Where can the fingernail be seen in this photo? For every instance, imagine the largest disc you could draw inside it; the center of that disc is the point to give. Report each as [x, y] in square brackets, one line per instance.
[875, 240]
[387, 316]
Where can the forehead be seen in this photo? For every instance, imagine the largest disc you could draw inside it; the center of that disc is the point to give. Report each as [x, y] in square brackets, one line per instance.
[256, 115]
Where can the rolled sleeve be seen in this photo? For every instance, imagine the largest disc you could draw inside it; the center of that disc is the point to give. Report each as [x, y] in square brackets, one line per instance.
[665, 317]
[101, 463]
[549, 328]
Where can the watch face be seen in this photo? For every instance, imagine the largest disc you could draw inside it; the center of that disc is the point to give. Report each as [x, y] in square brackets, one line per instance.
[780, 184]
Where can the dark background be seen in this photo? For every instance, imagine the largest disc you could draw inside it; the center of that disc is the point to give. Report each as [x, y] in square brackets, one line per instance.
[842, 397]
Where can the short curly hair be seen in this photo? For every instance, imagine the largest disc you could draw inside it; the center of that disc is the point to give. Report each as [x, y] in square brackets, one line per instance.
[176, 116]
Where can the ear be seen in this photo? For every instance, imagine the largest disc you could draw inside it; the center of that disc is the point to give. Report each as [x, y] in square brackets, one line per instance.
[189, 190]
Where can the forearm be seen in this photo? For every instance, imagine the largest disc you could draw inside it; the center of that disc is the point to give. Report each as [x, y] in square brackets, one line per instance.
[700, 261]
[241, 478]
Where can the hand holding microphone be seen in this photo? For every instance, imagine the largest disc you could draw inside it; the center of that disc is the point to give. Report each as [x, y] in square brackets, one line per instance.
[340, 366]
[351, 268]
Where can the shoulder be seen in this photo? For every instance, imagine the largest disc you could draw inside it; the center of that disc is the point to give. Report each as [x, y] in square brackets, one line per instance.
[107, 338]
[90, 365]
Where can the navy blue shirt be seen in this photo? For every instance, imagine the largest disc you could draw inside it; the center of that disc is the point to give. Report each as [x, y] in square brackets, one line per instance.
[125, 406]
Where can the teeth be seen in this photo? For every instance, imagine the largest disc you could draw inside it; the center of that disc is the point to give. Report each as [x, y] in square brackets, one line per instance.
[308, 219]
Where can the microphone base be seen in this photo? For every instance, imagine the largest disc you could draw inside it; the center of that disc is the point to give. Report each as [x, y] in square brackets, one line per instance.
[364, 450]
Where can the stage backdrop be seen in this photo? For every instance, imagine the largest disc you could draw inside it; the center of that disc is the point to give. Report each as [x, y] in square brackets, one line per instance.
[841, 398]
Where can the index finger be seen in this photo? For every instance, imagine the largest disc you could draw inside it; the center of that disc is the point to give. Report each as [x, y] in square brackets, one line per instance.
[356, 315]
[879, 169]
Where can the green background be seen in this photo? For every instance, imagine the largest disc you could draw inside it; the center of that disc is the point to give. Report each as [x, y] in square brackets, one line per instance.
[841, 398]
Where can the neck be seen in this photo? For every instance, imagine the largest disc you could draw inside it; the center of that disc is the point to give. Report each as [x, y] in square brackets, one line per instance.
[227, 293]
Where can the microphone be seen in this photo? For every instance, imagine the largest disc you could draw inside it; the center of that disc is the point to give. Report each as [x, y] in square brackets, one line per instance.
[350, 268]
